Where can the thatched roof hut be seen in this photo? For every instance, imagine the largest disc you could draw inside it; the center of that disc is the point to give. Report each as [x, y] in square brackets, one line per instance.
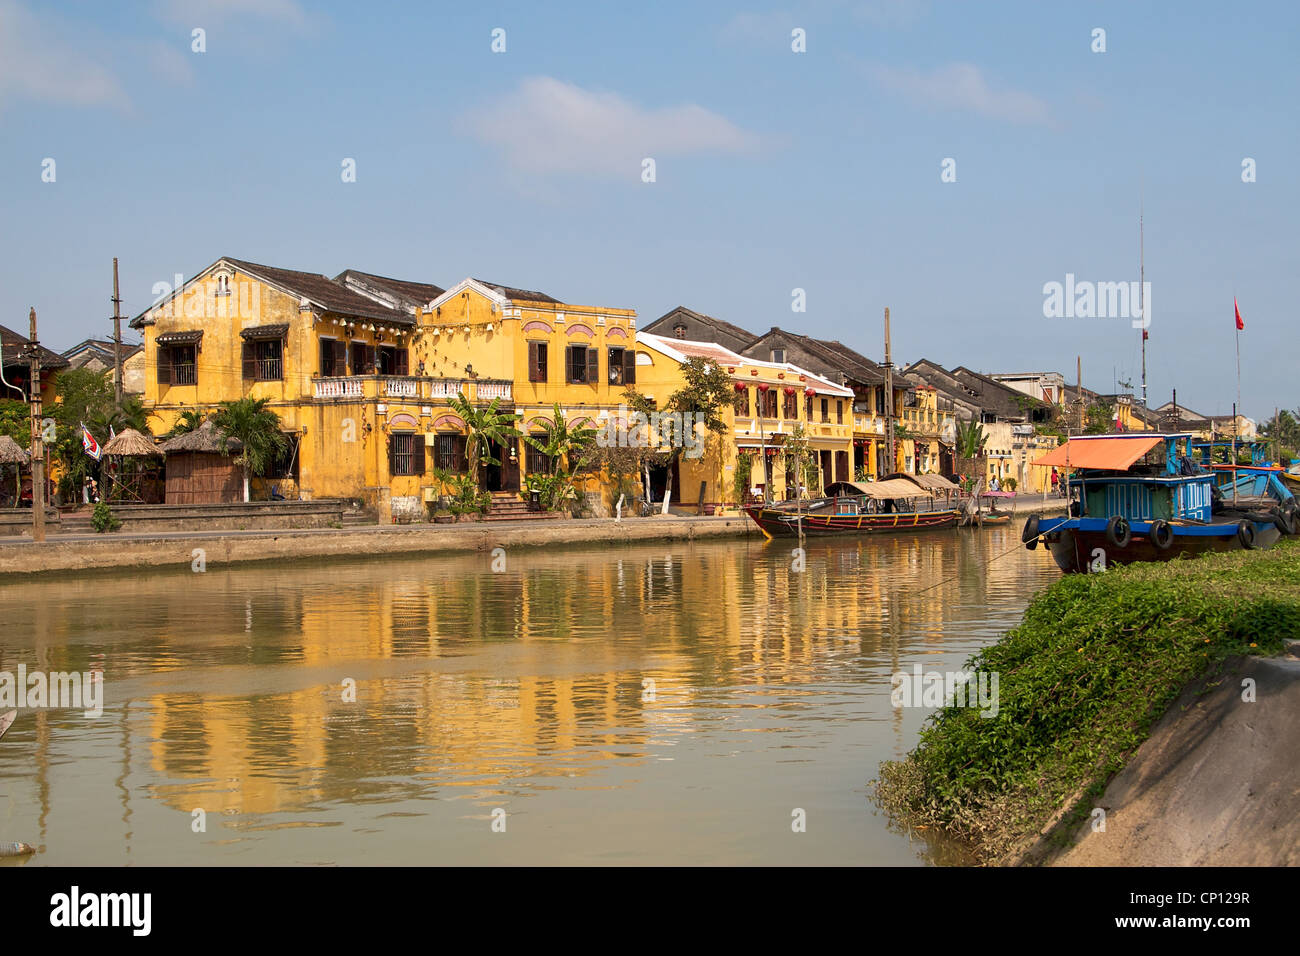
[12, 453]
[199, 470]
[132, 444]
[205, 439]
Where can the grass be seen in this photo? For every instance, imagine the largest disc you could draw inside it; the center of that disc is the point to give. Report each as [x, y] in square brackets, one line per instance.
[1096, 661]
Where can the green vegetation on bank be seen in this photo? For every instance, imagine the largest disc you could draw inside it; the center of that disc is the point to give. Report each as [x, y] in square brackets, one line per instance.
[1094, 664]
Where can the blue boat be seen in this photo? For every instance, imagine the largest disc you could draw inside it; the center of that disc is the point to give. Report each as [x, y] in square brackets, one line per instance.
[1143, 497]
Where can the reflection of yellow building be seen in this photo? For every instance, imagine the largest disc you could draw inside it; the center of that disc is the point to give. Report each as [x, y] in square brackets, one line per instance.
[770, 400]
[361, 369]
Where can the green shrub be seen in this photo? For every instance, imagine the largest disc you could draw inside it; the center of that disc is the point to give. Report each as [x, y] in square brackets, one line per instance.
[103, 518]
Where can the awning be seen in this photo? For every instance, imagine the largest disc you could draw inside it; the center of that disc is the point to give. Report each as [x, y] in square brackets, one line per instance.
[883, 490]
[277, 331]
[1112, 452]
[188, 337]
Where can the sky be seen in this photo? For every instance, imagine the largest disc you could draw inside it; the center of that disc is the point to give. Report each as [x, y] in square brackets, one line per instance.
[509, 142]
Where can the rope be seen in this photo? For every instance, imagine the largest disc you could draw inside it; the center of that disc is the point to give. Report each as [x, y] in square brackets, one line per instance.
[948, 580]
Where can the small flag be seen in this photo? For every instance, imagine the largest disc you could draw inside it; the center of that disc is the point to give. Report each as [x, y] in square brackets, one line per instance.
[111, 434]
[88, 442]
[1145, 335]
[1240, 324]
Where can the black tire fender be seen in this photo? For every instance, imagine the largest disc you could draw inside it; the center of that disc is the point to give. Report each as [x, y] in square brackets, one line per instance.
[1246, 534]
[1162, 535]
[1118, 532]
[1029, 535]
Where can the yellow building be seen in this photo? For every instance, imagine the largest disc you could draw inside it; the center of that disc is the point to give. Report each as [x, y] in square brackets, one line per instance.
[771, 398]
[362, 369]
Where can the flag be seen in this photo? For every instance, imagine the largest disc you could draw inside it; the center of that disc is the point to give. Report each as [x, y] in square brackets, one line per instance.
[1145, 335]
[88, 442]
[111, 434]
[1240, 324]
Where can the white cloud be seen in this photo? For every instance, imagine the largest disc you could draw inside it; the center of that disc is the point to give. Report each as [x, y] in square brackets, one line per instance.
[549, 126]
[39, 62]
[961, 86]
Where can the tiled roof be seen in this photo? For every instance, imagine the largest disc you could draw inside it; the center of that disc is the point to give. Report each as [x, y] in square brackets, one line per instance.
[410, 293]
[330, 295]
[13, 353]
[514, 294]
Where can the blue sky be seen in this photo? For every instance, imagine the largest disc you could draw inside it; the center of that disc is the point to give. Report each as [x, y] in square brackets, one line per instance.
[774, 170]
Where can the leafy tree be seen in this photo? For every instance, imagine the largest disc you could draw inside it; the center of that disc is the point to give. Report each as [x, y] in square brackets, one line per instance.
[971, 439]
[188, 421]
[569, 450]
[257, 428]
[16, 421]
[706, 391]
[1099, 418]
[486, 426]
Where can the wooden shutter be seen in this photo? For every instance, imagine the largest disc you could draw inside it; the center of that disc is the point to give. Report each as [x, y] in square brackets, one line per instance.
[392, 454]
[462, 454]
[537, 361]
[403, 362]
[326, 357]
[164, 366]
[629, 366]
[568, 364]
[593, 366]
[417, 454]
[340, 357]
[249, 356]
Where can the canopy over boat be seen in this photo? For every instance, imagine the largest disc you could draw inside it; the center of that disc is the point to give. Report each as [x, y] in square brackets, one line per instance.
[1110, 452]
[932, 484]
[888, 489]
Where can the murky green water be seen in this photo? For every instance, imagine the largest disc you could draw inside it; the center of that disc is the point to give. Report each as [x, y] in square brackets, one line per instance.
[664, 704]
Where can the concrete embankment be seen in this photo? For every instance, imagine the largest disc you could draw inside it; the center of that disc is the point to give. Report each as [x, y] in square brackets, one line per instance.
[1216, 784]
[82, 552]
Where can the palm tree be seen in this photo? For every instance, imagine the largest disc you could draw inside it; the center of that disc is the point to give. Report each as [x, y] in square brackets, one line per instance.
[485, 427]
[257, 428]
[970, 439]
[563, 445]
[188, 421]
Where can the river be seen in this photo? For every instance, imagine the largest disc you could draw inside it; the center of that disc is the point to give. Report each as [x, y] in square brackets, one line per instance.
[684, 703]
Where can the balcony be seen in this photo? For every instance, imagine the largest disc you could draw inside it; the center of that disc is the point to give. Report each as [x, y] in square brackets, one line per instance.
[410, 388]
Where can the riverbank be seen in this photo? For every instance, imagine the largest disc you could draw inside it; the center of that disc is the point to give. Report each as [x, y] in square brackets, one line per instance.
[1135, 668]
[20, 556]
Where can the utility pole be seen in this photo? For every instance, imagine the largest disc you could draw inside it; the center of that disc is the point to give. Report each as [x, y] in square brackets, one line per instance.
[117, 339]
[38, 448]
[1142, 308]
[889, 402]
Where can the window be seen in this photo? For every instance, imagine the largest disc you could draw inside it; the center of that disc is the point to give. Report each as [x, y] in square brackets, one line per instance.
[535, 461]
[622, 366]
[285, 462]
[363, 359]
[223, 285]
[176, 365]
[808, 409]
[333, 357]
[679, 331]
[405, 454]
[767, 402]
[791, 411]
[537, 362]
[582, 364]
[741, 402]
[263, 360]
[826, 409]
[839, 412]
[449, 452]
[778, 356]
[390, 360]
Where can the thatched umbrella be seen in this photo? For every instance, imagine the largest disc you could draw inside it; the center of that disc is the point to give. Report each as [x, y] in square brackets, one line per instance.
[131, 444]
[12, 453]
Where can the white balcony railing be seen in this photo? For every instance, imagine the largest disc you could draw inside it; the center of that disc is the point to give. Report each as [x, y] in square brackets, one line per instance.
[490, 390]
[338, 388]
[402, 387]
[444, 389]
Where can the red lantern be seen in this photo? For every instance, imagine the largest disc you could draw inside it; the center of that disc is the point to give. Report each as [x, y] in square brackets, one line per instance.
[740, 386]
[762, 386]
[810, 392]
[790, 391]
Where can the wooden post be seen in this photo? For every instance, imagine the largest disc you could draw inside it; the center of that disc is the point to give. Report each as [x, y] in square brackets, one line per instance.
[117, 339]
[38, 447]
[889, 403]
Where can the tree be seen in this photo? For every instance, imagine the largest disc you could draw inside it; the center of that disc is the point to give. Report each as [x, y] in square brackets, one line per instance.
[970, 439]
[257, 428]
[569, 450]
[188, 421]
[798, 451]
[707, 391]
[485, 426]
[1284, 430]
[16, 421]
[1099, 418]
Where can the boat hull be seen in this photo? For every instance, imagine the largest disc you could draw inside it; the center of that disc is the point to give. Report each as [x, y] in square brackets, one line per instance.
[776, 522]
[1077, 548]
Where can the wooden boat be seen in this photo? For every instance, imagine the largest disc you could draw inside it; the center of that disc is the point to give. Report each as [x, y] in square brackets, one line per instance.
[898, 504]
[1140, 497]
[987, 520]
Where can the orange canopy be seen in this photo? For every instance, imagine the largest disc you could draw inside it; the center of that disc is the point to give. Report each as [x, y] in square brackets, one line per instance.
[1113, 452]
